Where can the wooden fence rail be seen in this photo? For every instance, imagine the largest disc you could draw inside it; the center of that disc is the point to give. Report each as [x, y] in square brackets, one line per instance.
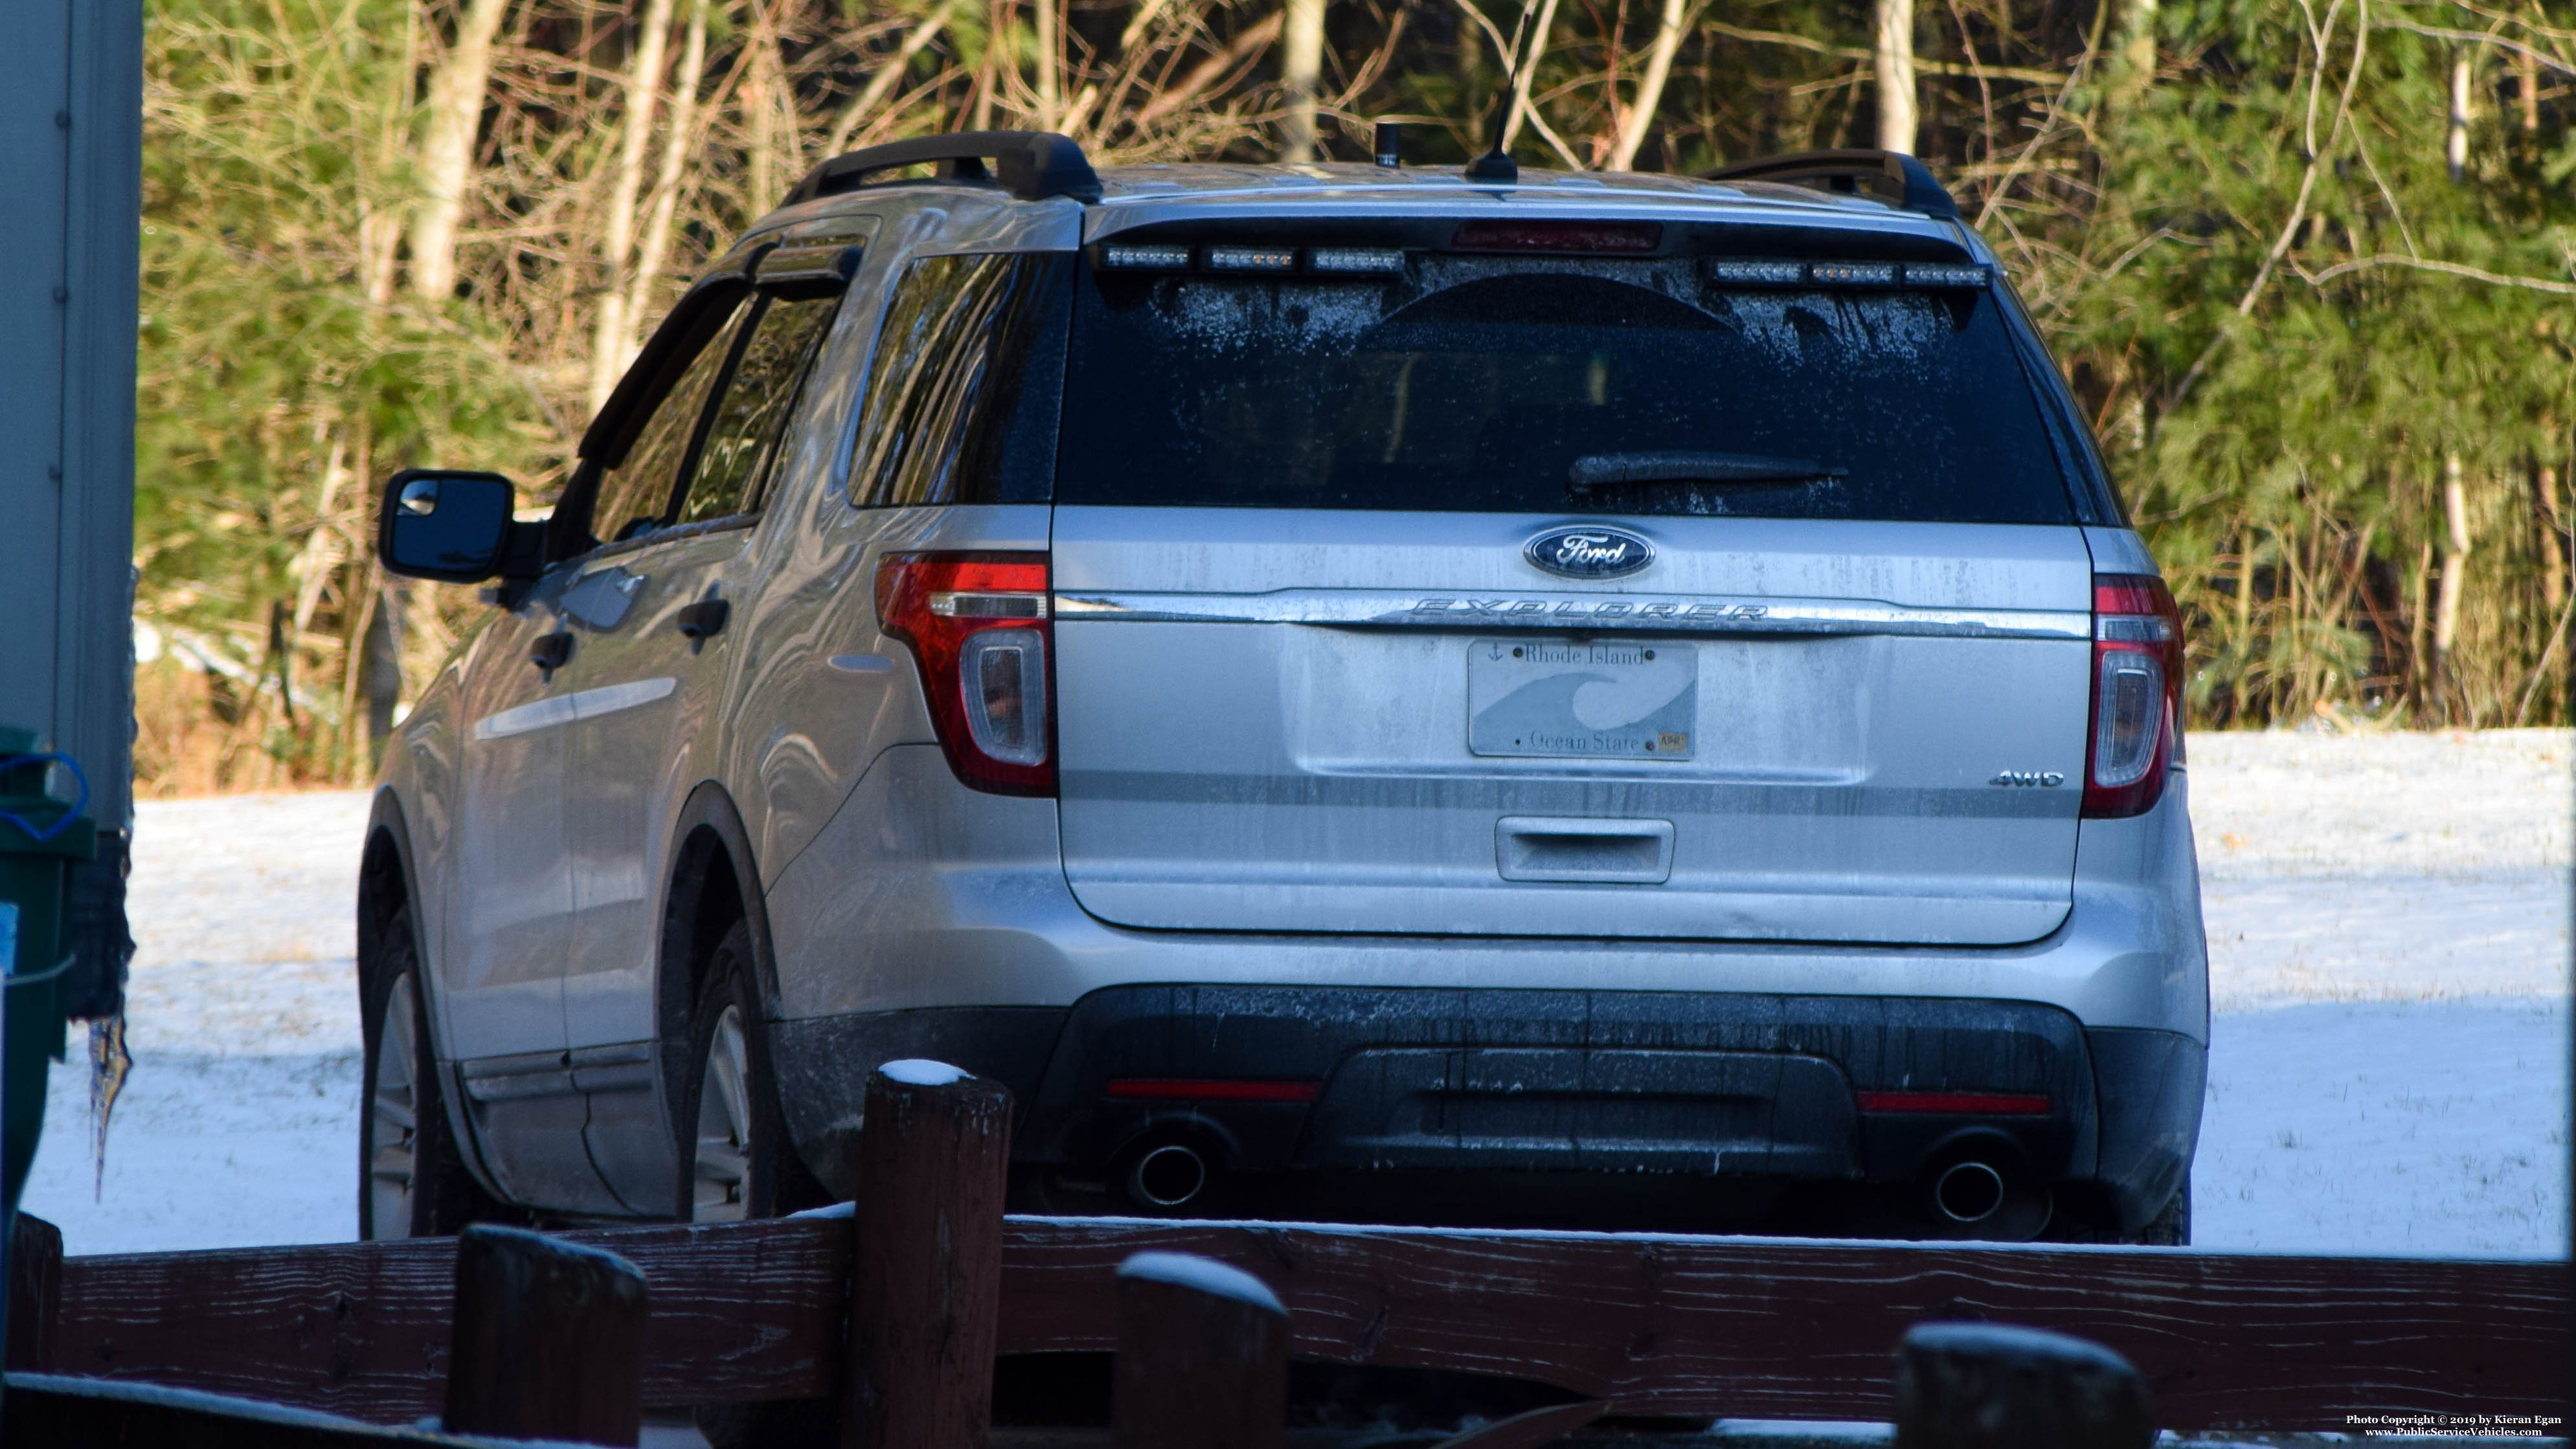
[1758, 1328]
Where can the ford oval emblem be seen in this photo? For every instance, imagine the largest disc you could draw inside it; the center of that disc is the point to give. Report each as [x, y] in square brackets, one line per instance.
[1589, 553]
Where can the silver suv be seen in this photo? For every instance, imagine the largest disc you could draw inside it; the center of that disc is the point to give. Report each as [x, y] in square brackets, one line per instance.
[1355, 690]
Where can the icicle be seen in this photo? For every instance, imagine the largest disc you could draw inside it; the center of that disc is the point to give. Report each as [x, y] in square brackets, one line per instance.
[108, 1064]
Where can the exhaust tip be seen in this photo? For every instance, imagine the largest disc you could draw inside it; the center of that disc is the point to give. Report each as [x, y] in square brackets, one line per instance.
[1167, 1177]
[1968, 1192]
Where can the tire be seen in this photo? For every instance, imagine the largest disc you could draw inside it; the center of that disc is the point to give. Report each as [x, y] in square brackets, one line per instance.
[2170, 1228]
[735, 1159]
[412, 1178]
[736, 1162]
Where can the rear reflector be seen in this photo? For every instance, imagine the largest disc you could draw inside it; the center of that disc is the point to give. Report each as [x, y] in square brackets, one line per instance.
[1631, 238]
[1186, 1089]
[1977, 1104]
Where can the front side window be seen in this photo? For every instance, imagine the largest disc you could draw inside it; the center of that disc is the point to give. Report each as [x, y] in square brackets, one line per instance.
[962, 391]
[732, 472]
[639, 494]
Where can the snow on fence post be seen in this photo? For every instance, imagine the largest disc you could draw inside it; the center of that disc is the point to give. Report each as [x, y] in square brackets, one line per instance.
[926, 1259]
[1202, 1356]
[1989, 1386]
[547, 1342]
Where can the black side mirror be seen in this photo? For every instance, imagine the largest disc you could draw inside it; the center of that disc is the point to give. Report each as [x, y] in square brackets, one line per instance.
[454, 528]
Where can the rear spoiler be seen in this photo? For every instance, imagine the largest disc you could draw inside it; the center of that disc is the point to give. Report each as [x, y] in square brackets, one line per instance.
[1889, 176]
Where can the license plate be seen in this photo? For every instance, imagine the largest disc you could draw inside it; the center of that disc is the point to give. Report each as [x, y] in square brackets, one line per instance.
[1564, 699]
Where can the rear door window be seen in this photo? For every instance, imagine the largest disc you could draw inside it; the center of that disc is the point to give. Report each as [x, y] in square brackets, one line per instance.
[963, 389]
[1543, 386]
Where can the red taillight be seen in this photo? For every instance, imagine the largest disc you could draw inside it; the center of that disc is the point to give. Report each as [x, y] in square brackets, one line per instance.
[978, 626]
[2136, 729]
[1632, 238]
[1197, 1089]
[1960, 1104]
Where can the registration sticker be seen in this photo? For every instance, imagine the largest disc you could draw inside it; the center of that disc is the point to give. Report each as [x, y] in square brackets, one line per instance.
[1582, 699]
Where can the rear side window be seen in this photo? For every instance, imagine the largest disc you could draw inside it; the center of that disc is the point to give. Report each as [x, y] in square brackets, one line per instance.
[963, 388]
[733, 465]
[1549, 386]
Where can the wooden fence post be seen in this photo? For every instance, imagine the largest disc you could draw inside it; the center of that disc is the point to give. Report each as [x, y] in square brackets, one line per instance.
[1989, 1386]
[1202, 1356]
[548, 1340]
[35, 1286]
[926, 1259]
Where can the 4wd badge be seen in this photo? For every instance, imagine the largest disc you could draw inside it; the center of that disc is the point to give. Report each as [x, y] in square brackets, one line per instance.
[1589, 553]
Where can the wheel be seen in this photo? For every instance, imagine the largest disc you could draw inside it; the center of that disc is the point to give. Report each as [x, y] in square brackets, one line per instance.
[412, 1178]
[736, 1162]
[2170, 1228]
[735, 1158]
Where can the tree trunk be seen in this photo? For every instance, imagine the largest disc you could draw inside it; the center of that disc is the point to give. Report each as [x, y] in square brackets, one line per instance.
[2457, 152]
[609, 331]
[456, 90]
[1050, 44]
[1893, 43]
[760, 94]
[676, 145]
[2455, 570]
[1650, 89]
[2553, 534]
[1301, 72]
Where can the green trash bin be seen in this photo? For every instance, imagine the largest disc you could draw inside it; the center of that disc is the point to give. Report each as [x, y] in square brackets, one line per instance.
[41, 839]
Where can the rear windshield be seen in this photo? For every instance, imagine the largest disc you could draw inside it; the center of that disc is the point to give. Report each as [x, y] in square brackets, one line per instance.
[1541, 386]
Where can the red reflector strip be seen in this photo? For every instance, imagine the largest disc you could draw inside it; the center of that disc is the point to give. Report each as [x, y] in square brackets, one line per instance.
[1184, 1089]
[1991, 1104]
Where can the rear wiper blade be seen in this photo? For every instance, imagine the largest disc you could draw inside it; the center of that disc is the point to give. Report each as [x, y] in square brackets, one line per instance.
[1609, 470]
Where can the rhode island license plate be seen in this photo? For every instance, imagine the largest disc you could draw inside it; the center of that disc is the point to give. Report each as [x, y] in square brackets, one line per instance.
[1581, 700]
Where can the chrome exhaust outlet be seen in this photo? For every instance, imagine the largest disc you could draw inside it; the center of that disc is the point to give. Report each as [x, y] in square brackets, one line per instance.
[1969, 1192]
[1170, 1176]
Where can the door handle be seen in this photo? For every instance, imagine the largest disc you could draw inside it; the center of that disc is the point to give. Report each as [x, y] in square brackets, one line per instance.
[702, 620]
[549, 651]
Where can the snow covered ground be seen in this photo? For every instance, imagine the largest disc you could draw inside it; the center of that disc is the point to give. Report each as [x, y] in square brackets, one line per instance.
[2388, 923]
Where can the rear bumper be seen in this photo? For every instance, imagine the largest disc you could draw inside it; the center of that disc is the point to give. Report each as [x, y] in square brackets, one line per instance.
[1405, 1081]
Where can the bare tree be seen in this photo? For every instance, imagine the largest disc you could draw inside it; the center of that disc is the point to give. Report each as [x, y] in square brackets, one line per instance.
[1640, 115]
[609, 331]
[456, 90]
[1893, 45]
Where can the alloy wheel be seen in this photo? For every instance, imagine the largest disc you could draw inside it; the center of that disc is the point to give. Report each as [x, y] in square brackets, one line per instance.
[392, 1100]
[722, 1191]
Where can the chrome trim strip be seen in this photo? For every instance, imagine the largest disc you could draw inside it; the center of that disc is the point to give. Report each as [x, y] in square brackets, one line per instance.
[564, 709]
[1723, 614]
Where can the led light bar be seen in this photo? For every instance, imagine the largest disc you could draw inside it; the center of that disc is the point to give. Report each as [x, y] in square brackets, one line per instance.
[1852, 274]
[1945, 274]
[1252, 259]
[1755, 273]
[1373, 260]
[1146, 258]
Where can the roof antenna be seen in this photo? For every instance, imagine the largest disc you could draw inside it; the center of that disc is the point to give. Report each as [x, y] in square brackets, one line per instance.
[1495, 165]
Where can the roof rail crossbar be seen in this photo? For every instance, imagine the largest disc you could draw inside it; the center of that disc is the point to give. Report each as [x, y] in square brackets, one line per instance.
[1890, 176]
[1030, 164]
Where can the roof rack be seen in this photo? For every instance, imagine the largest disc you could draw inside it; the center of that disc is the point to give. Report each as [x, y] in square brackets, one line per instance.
[1890, 176]
[1032, 164]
